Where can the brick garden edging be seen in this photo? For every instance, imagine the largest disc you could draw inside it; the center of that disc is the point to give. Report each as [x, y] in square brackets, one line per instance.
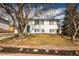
[40, 49]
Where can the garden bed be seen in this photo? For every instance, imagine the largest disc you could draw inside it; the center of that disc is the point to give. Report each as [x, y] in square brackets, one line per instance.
[40, 51]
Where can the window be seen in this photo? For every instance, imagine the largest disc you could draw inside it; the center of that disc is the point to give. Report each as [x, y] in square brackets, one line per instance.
[52, 30]
[37, 30]
[57, 30]
[51, 22]
[42, 22]
[39, 22]
[28, 28]
[36, 21]
[42, 30]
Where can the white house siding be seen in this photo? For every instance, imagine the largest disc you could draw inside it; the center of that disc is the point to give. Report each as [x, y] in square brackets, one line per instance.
[46, 27]
[4, 26]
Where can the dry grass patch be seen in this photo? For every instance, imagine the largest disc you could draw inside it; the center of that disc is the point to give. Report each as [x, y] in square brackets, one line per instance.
[41, 39]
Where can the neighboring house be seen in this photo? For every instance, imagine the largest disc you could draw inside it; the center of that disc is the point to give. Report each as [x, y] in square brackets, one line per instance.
[43, 26]
[5, 26]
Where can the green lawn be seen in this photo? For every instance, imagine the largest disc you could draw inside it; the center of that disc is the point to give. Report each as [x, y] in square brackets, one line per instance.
[41, 39]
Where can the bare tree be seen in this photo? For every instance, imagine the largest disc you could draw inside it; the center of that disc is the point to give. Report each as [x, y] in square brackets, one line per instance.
[20, 13]
[72, 17]
[17, 14]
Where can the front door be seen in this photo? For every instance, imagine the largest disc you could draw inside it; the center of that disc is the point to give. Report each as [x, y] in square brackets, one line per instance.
[28, 28]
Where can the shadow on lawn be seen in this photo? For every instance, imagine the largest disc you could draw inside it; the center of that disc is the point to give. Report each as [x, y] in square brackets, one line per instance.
[64, 37]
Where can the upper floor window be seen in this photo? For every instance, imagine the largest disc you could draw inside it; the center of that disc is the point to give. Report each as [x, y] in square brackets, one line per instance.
[39, 22]
[37, 30]
[42, 22]
[36, 21]
[51, 22]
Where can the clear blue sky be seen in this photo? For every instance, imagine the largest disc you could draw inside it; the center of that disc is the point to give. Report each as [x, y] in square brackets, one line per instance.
[54, 5]
[59, 5]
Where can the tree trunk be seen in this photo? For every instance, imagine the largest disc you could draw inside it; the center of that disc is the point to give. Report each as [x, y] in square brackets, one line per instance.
[74, 35]
[20, 21]
[21, 30]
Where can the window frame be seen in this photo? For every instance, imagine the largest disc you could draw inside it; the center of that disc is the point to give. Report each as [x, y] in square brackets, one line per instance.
[43, 30]
[42, 22]
[51, 22]
[37, 30]
[52, 30]
[36, 22]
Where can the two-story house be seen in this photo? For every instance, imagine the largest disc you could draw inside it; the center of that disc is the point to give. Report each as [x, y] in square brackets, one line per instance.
[43, 26]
